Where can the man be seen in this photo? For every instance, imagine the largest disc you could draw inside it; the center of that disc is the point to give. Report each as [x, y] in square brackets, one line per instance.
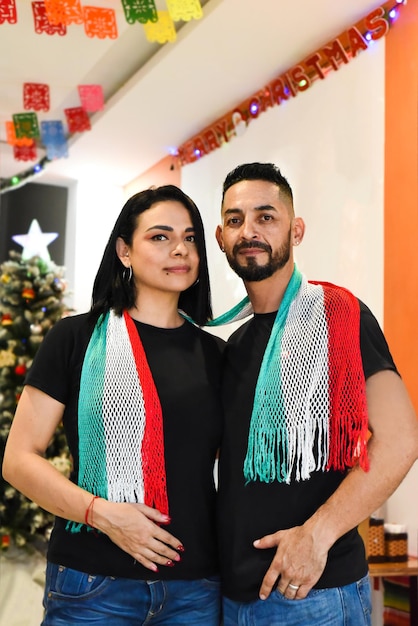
[307, 380]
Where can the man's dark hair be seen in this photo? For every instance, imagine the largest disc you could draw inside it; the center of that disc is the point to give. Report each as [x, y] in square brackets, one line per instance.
[112, 291]
[258, 171]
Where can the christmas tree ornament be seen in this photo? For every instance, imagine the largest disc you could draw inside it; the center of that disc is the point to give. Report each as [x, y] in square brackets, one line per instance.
[29, 306]
[28, 293]
[6, 319]
[7, 359]
[20, 370]
[35, 243]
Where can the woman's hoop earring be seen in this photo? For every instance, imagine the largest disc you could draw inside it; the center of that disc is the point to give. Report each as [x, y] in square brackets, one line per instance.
[127, 274]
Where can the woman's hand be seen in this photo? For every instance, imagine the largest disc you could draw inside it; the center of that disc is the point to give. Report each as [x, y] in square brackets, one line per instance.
[135, 528]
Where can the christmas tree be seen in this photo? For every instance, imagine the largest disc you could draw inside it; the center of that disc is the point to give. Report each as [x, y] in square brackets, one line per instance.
[31, 301]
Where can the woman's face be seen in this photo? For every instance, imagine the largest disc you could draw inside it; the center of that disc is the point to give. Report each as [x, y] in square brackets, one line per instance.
[163, 254]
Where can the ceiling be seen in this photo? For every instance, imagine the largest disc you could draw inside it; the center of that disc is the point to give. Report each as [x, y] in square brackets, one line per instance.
[157, 96]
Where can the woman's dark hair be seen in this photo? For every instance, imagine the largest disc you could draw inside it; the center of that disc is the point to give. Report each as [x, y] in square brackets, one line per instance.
[112, 291]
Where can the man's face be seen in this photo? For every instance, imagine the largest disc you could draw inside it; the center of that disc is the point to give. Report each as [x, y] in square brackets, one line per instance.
[256, 232]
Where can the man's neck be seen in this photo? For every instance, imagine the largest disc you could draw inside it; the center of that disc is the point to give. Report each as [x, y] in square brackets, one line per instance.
[266, 295]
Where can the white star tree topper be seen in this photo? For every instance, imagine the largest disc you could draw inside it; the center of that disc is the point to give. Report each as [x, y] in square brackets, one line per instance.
[35, 242]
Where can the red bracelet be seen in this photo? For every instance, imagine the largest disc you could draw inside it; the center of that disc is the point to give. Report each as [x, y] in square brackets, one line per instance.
[89, 510]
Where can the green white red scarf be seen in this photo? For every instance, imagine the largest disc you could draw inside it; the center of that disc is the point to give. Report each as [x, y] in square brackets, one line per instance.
[121, 446]
[310, 410]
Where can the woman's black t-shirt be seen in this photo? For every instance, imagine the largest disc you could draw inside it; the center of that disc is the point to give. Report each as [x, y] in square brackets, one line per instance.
[250, 511]
[186, 367]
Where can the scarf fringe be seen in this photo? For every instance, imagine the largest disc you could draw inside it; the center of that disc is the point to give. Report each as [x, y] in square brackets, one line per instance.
[310, 410]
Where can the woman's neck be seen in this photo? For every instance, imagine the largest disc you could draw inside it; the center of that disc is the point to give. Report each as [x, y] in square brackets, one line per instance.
[159, 311]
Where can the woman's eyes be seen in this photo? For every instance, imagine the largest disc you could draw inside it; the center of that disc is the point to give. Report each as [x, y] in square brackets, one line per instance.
[162, 237]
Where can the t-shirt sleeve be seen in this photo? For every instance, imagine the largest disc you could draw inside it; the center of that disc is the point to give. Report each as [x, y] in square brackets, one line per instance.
[53, 366]
[375, 351]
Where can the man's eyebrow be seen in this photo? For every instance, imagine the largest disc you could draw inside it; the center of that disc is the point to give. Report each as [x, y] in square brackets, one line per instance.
[262, 207]
[265, 207]
[227, 211]
[189, 229]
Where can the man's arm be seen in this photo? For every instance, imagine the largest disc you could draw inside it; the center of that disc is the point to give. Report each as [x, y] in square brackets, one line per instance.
[393, 448]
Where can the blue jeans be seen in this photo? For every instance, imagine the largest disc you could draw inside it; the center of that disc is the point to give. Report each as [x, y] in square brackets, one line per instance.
[340, 606]
[74, 598]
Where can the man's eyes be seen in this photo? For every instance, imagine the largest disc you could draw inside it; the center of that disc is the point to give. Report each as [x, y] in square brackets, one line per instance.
[263, 217]
[233, 220]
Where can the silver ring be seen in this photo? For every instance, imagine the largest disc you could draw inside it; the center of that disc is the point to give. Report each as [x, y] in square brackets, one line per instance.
[295, 587]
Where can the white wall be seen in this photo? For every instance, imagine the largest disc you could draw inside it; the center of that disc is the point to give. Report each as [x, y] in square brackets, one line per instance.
[328, 142]
[93, 209]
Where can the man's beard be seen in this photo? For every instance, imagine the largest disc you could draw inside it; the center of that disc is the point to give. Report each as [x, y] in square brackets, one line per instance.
[252, 272]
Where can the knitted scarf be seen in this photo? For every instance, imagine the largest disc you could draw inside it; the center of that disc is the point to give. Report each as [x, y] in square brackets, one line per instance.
[121, 447]
[309, 410]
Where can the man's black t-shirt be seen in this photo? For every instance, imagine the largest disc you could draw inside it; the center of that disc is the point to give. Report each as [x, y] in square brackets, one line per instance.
[186, 366]
[250, 511]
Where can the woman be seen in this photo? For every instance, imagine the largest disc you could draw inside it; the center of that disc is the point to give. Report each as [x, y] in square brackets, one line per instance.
[137, 388]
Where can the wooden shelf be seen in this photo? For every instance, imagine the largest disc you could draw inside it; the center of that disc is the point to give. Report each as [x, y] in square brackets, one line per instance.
[408, 568]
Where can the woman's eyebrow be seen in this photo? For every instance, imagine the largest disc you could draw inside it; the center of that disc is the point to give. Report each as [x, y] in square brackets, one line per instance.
[189, 229]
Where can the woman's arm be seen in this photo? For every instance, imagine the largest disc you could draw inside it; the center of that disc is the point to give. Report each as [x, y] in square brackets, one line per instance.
[134, 528]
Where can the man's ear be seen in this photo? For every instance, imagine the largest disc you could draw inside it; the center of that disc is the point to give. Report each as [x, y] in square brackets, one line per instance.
[298, 230]
[122, 250]
[219, 237]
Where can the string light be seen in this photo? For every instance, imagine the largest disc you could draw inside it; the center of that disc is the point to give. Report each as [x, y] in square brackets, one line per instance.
[254, 106]
[8, 184]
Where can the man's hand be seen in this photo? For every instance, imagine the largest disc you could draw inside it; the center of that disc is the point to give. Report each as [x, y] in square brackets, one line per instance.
[298, 562]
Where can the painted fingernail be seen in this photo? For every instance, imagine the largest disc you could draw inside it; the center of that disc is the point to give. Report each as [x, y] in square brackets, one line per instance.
[170, 563]
[180, 548]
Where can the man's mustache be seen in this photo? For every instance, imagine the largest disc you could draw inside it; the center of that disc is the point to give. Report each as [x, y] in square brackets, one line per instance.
[245, 245]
